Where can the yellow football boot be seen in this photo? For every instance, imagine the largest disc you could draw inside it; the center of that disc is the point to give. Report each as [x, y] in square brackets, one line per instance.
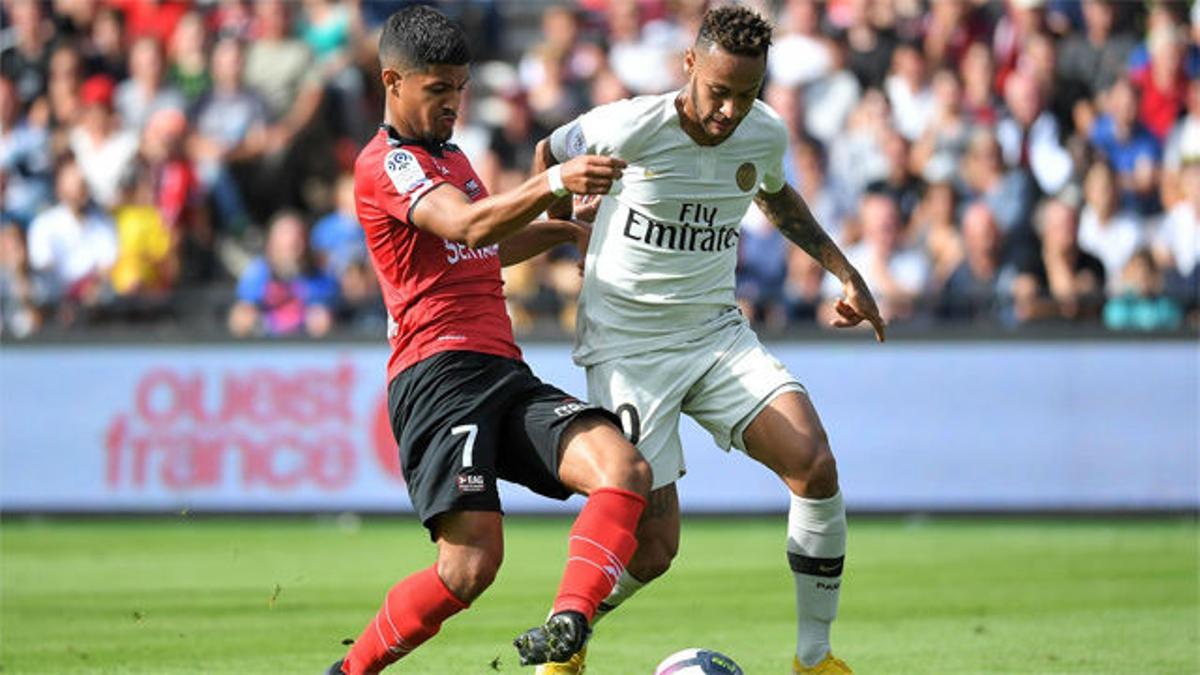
[830, 665]
[574, 666]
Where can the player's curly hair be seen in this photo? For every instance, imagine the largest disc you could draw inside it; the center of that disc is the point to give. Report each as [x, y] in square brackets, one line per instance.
[735, 29]
[419, 36]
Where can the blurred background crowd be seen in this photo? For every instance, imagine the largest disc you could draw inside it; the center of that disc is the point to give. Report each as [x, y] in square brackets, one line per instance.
[183, 167]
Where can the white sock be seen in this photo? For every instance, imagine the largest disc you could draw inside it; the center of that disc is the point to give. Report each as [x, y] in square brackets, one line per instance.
[626, 586]
[816, 547]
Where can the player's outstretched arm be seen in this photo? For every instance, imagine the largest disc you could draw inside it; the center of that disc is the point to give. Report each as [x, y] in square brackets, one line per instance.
[450, 214]
[788, 212]
[540, 236]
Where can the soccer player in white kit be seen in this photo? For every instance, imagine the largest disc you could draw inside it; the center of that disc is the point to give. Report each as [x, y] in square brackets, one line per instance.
[659, 332]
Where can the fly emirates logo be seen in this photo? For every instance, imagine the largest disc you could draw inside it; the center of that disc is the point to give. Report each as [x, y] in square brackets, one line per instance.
[693, 231]
[457, 253]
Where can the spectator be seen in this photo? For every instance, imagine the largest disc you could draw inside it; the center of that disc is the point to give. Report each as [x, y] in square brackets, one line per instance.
[900, 184]
[560, 35]
[1094, 60]
[856, 155]
[1183, 145]
[1140, 303]
[909, 92]
[510, 152]
[979, 104]
[649, 58]
[896, 275]
[155, 19]
[73, 243]
[146, 263]
[934, 230]
[938, 152]
[24, 160]
[283, 292]
[1105, 230]
[175, 194]
[950, 29]
[104, 52]
[761, 271]
[979, 288]
[555, 100]
[62, 97]
[1037, 61]
[1009, 194]
[1130, 147]
[23, 293]
[829, 100]
[188, 69]
[337, 240]
[799, 54]
[870, 46]
[1177, 241]
[145, 92]
[829, 202]
[25, 55]
[231, 129]
[1064, 282]
[1022, 20]
[280, 69]
[1163, 82]
[329, 29]
[1029, 136]
[105, 152]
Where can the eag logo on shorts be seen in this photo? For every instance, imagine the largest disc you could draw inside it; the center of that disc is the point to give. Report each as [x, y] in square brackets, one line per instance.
[470, 482]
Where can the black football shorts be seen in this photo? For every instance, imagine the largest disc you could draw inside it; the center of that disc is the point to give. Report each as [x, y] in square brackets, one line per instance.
[464, 419]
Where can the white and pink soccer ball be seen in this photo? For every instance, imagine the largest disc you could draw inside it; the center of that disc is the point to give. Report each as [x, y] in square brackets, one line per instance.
[698, 662]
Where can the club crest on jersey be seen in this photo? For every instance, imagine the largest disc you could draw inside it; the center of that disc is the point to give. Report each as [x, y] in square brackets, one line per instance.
[745, 176]
[576, 143]
[404, 171]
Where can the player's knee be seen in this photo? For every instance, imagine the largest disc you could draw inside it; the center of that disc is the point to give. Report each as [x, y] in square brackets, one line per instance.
[468, 575]
[636, 475]
[818, 474]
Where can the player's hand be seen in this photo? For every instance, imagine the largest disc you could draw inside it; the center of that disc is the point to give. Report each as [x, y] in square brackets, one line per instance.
[591, 174]
[857, 306]
[586, 207]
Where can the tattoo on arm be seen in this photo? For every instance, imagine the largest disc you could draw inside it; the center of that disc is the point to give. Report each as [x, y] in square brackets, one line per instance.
[788, 212]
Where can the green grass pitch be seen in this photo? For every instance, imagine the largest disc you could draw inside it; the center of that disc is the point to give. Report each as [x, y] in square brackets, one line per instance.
[277, 596]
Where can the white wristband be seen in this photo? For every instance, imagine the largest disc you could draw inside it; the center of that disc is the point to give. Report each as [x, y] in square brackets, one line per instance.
[554, 178]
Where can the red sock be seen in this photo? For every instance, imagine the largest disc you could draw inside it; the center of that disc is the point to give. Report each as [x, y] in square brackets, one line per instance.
[602, 542]
[412, 612]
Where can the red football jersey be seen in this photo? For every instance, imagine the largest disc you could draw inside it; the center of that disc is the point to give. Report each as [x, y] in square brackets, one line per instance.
[440, 295]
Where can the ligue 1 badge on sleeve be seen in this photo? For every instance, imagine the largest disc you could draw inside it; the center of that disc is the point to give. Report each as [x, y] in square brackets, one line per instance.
[746, 175]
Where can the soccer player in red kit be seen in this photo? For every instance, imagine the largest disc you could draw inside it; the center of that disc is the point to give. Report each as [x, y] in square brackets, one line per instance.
[465, 410]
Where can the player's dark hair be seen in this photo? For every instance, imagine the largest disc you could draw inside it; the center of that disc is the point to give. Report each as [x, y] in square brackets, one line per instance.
[734, 29]
[417, 37]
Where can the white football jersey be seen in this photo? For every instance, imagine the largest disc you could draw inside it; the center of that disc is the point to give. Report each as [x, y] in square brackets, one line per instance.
[660, 266]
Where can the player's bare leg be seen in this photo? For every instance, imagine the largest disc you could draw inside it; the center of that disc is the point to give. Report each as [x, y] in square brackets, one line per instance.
[658, 543]
[788, 437]
[470, 549]
[597, 461]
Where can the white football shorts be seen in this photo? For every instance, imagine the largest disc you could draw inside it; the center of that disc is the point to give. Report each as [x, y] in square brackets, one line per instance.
[722, 381]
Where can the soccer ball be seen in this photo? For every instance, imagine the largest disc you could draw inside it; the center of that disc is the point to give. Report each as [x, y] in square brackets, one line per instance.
[698, 662]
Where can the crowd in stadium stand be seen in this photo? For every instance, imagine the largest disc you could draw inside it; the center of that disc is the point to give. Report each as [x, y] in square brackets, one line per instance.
[1000, 163]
